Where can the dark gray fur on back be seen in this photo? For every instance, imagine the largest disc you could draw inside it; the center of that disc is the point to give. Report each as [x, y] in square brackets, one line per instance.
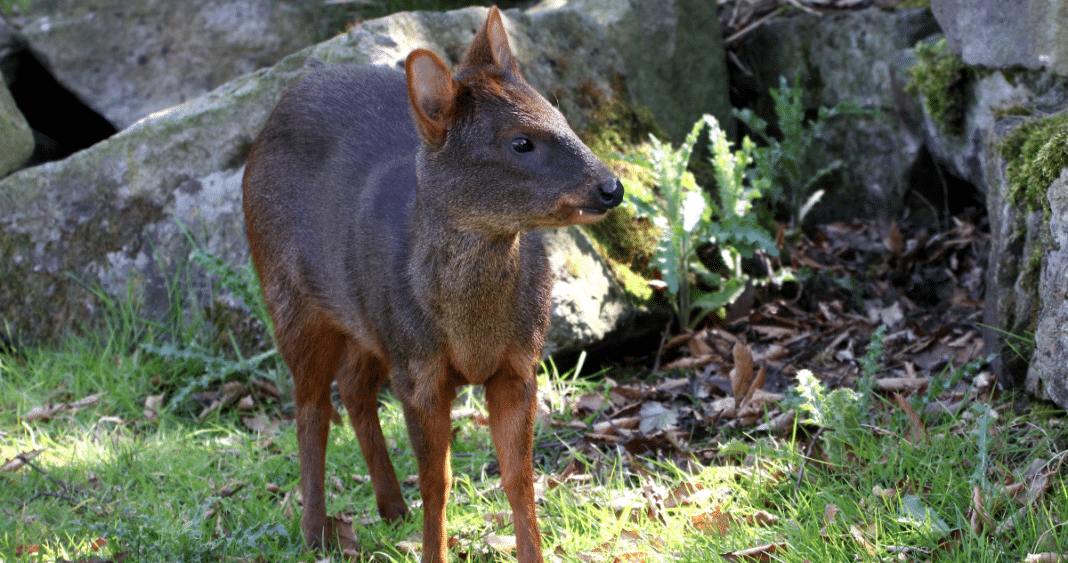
[349, 138]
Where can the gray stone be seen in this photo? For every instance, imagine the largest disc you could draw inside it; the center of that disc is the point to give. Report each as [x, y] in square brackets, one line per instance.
[16, 139]
[1011, 302]
[861, 57]
[128, 58]
[1027, 263]
[1047, 376]
[588, 301]
[120, 215]
[672, 51]
[1006, 33]
[965, 155]
[1019, 237]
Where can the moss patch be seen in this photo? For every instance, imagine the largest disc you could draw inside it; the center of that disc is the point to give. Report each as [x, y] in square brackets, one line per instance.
[626, 241]
[618, 126]
[1035, 153]
[1013, 111]
[942, 79]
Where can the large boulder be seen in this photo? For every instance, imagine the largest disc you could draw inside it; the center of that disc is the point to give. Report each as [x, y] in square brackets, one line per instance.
[996, 104]
[16, 139]
[1047, 375]
[146, 56]
[1023, 256]
[122, 217]
[859, 57]
[588, 301]
[672, 51]
[1001, 34]
[1026, 302]
[1017, 236]
[1017, 99]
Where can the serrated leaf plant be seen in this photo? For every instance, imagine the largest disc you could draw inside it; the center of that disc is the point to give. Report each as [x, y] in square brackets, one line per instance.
[788, 167]
[689, 217]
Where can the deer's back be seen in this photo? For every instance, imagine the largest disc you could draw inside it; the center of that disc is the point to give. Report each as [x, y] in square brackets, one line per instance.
[330, 188]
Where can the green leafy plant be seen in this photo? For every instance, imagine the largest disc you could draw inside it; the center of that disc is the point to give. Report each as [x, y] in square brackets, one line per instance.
[838, 412]
[1022, 345]
[984, 418]
[841, 413]
[736, 228]
[242, 283]
[872, 363]
[200, 364]
[788, 167]
[947, 379]
[689, 217]
[206, 367]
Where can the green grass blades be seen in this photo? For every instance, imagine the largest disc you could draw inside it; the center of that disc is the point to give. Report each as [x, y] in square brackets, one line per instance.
[91, 472]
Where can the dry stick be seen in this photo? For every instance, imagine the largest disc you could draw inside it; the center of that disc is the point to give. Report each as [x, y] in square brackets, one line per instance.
[26, 460]
[930, 206]
[663, 340]
[803, 7]
[945, 196]
[67, 498]
[738, 62]
[738, 34]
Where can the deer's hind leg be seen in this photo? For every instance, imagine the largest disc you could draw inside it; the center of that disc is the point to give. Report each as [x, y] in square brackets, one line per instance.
[312, 347]
[360, 376]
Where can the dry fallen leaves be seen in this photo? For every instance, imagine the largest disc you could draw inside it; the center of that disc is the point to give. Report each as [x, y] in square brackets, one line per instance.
[46, 412]
[764, 552]
[711, 522]
[18, 462]
[153, 404]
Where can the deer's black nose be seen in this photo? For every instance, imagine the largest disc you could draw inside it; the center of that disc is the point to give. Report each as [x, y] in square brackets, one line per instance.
[610, 192]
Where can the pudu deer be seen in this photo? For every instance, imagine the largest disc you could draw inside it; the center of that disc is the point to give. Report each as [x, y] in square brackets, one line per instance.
[393, 220]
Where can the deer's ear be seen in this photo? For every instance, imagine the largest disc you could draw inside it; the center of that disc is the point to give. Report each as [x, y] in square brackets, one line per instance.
[490, 46]
[432, 91]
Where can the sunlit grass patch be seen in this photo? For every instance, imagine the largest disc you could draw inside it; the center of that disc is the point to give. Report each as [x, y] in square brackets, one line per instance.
[107, 476]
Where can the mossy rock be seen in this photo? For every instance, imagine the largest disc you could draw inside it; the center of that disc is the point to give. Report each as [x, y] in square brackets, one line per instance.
[119, 220]
[616, 124]
[1035, 154]
[942, 78]
[627, 242]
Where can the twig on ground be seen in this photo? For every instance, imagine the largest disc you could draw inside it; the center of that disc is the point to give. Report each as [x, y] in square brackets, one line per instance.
[663, 340]
[742, 32]
[67, 488]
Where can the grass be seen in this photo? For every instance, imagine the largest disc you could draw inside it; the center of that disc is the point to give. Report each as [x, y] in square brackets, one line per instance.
[8, 7]
[110, 483]
[114, 475]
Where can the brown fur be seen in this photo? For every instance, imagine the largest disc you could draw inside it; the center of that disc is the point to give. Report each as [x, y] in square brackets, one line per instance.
[391, 219]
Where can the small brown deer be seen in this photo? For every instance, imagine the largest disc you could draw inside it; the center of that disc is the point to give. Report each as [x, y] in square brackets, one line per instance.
[392, 220]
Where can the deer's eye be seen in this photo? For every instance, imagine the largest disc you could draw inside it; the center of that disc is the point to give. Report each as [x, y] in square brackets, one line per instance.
[522, 145]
